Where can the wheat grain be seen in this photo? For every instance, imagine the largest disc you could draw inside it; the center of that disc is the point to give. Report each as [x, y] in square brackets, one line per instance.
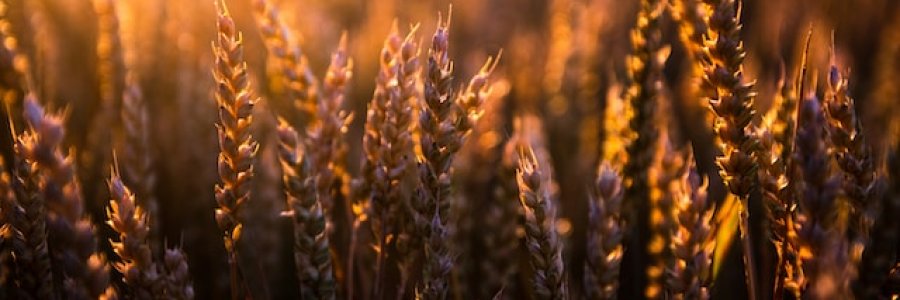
[439, 142]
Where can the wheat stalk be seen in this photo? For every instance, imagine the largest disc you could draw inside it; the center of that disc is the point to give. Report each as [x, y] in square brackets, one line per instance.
[540, 232]
[83, 270]
[238, 148]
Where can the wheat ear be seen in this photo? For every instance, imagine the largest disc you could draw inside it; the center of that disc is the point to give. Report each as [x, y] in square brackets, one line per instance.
[176, 278]
[130, 222]
[37, 278]
[604, 241]
[137, 166]
[731, 100]
[301, 84]
[238, 148]
[325, 138]
[694, 240]
[540, 231]
[817, 198]
[313, 262]
[83, 270]
[853, 155]
[388, 145]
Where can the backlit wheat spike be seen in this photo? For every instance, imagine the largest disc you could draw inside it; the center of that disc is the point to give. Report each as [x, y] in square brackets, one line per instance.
[313, 262]
[821, 241]
[731, 99]
[137, 161]
[301, 84]
[541, 237]
[694, 240]
[439, 143]
[853, 155]
[605, 233]
[176, 278]
[325, 141]
[13, 250]
[79, 268]
[237, 146]
[773, 184]
[389, 166]
[135, 256]
[36, 277]
[690, 16]
[617, 135]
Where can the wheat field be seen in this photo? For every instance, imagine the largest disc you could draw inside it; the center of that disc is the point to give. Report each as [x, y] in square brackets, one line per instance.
[479, 149]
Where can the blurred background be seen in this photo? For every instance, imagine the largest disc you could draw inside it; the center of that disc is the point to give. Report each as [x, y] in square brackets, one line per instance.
[561, 60]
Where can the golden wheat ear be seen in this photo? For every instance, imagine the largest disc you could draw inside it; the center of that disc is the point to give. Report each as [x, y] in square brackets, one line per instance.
[236, 144]
[731, 99]
[130, 222]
